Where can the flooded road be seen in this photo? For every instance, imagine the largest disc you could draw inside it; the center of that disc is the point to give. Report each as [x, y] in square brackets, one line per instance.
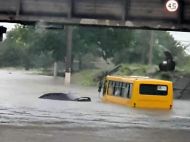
[23, 113]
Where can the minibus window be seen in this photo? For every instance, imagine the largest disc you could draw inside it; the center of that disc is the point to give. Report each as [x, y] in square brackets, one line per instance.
[117, 90]
[151, 89]
[123, 90]
[110, 88]
[114, 87]
[130, 90]
[104, 87]
[120, 88]
[126, 90]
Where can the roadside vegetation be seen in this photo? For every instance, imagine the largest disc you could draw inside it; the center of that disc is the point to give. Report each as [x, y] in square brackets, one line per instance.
[95, 50]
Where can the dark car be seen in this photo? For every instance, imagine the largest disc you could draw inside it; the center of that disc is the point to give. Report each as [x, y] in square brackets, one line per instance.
[65, 97]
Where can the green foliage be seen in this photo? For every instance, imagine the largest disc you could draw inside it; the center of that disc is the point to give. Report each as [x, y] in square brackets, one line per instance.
[52, 41]
[25, 46]
[106, 42]
[10, 57]
[30, 47]
[85, 77]
[186, 65]
[165, 42]
[133, 69]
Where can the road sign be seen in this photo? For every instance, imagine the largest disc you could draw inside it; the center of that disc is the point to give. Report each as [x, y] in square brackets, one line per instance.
[172, 5]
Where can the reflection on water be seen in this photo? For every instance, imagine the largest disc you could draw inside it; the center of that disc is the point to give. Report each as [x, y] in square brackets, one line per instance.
[19, 105]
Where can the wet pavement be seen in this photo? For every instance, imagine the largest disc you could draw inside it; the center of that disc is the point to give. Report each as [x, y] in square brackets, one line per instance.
[21, 109]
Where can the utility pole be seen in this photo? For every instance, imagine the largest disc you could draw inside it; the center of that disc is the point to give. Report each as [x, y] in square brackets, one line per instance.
[151, 45]
[69, 31]
[55, 70]
[69, 35]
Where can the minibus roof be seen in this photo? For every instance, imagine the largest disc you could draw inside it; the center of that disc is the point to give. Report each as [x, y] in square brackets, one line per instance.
[132, 79]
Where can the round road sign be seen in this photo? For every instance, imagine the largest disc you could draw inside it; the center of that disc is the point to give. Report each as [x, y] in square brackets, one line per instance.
[172, 5]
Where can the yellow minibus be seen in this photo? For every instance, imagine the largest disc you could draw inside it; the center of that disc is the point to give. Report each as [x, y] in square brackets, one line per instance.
[137, 91]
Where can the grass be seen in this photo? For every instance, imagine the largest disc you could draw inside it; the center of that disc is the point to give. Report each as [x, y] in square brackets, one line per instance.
[85, 77]
[90, 77]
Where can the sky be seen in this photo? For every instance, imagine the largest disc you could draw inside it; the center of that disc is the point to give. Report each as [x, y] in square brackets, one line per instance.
[9, 26]
[183, 37]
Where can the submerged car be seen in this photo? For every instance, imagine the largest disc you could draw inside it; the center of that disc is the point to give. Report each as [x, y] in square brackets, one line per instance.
[65, 97]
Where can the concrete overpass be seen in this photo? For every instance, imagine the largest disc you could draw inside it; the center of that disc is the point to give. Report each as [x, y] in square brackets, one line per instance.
[151, 14]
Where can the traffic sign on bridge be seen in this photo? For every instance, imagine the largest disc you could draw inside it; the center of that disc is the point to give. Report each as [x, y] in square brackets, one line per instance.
[172, 5]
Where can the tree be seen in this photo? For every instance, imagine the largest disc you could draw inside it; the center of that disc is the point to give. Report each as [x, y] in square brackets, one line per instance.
[106, 42]
[117, 45]
[11, 53]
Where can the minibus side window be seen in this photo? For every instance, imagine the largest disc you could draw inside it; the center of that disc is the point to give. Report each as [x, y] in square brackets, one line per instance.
[114, 88]
[123, 94]
[122, 86]
[117, 90]
[104, 87]
[130, 90]
[126, 90]
[151, 89]
[110, 88]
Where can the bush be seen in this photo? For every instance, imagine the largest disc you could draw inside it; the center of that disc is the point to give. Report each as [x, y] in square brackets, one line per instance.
[10, 57]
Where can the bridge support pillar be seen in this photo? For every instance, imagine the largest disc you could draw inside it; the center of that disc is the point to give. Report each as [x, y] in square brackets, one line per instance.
[1, 37]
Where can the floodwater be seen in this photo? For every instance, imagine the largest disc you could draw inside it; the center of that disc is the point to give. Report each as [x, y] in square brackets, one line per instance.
[20, 106]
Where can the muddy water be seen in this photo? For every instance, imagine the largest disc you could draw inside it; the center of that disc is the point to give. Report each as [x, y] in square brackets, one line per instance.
[20, 106]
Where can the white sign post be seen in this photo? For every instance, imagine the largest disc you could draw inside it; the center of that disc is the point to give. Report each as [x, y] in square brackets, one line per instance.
[172, 5]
